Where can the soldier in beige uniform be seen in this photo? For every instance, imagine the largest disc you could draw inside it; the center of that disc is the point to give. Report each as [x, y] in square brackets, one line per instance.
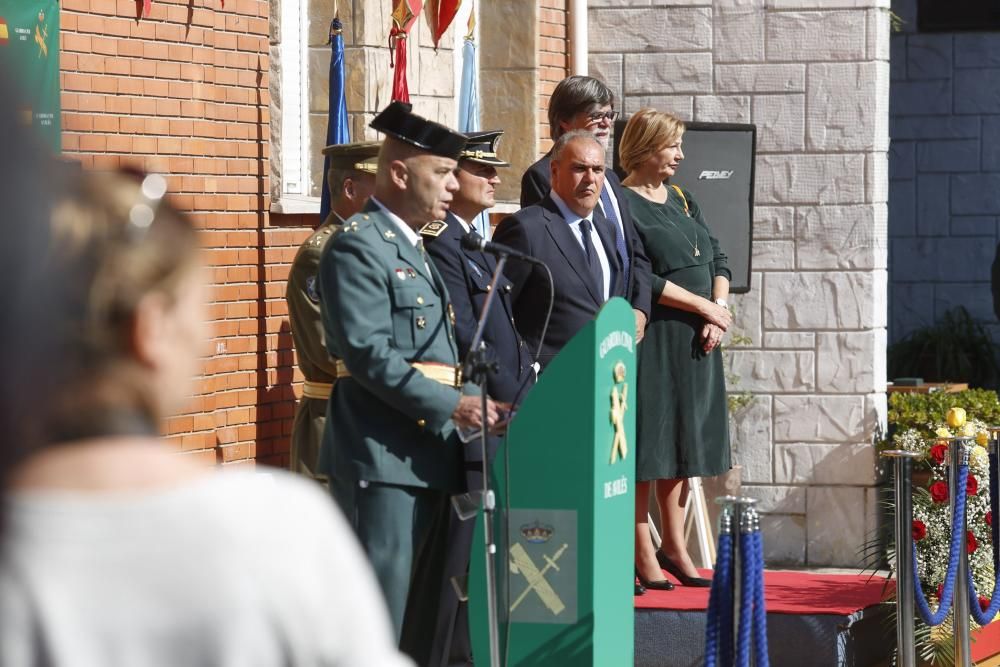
[352, 180]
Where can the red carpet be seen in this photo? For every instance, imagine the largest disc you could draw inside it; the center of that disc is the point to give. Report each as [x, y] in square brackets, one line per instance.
[805, 593]
[787, 592]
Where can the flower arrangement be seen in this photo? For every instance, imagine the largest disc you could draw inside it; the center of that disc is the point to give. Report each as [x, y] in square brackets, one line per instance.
[931, 510]
[931, 528]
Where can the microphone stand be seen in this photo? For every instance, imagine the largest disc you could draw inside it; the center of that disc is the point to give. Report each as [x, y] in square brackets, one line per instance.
[477, 369]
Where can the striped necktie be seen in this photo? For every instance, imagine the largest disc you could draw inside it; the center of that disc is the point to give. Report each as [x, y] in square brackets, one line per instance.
[616, 224]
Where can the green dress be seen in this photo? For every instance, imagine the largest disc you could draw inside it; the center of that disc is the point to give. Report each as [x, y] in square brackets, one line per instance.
[682, 419]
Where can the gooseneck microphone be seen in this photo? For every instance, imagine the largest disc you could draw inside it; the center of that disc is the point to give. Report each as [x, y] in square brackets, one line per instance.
[474, 241]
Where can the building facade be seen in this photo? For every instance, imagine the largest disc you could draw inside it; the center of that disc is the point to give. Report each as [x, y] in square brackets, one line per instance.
[230, 103]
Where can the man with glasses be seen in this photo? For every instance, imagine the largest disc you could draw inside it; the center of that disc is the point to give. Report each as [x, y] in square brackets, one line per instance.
[584, 103]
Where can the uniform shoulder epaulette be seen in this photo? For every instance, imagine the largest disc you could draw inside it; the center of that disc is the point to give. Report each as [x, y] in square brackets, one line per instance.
[434, 229]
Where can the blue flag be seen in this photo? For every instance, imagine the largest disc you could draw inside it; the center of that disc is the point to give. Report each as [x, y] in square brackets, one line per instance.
[336, 128]
[468, 114]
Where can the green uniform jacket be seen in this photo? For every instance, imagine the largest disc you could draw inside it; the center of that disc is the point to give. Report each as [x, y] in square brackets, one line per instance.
[314, 361]
[382, 310]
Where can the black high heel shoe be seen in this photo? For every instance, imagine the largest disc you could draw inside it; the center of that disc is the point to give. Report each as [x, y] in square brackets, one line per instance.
[674, 569]
[661, 585]
[640, 589]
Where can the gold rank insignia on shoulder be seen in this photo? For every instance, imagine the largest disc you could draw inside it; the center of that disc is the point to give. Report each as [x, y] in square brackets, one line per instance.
[433, 229]
[389, 234]
[352, 226]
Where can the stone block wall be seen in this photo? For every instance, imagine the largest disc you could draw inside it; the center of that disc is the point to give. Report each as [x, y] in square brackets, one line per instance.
[813, 75]
[944, 173]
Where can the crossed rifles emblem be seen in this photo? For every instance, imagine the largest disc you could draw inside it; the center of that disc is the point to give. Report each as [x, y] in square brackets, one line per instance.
[521, 563]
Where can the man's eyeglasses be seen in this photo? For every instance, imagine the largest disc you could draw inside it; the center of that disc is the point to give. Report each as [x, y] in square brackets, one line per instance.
[598, 116]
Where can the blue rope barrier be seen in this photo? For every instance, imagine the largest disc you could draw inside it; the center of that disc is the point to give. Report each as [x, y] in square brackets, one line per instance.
[985, 616]
[957, 527]
[747, 580]
[761, 658]
[994, 501]
[718, 600]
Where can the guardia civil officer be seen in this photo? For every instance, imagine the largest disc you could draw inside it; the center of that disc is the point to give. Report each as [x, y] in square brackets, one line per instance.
[351, 177]
[390, 445]
[467, 274]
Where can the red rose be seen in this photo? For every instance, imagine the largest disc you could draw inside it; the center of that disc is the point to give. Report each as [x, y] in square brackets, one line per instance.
[919, 530]
[939, 452]
[989, 518]
[940, 591]
[984, 603]
[939, 492]
[970, 542]
[971, 485]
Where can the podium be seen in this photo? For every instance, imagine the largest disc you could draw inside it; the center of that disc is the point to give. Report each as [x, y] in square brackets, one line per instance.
[564, 480]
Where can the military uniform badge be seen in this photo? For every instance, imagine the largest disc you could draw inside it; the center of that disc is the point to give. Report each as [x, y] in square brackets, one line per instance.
[433, 229]
[312, 290]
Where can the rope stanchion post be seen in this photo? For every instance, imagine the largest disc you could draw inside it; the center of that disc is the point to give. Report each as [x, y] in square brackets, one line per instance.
[905, 575]
[959, 460]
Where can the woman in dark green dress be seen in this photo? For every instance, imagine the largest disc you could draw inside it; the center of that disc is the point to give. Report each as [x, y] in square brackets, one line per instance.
[682, 426]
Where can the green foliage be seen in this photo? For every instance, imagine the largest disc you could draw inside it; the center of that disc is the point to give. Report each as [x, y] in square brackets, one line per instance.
[911, 410]
[737, 400]
[956, 348]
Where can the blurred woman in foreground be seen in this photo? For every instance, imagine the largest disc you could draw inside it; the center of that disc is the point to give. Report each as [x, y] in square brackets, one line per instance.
[114, 550]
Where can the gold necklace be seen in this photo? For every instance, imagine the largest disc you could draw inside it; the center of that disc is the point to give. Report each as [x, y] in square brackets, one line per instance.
[694, 246]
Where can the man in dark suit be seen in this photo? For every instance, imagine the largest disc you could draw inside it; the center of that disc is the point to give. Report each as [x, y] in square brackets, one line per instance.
[584, 103]
[467, 275]
[568, 232]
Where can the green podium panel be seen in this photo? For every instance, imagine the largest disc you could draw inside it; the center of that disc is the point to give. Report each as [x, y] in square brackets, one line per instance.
[565, 522]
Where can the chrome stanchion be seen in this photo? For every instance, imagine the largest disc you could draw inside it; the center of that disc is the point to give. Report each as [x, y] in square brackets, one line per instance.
[959, 451]
[905, 576]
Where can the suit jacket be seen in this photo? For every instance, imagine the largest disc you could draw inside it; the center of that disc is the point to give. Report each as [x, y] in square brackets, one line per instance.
[536, 184]
[381, 309]
[541, 231]
[467, 274]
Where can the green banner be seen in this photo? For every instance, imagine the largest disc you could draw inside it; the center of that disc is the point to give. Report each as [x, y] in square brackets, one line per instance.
[29, 50]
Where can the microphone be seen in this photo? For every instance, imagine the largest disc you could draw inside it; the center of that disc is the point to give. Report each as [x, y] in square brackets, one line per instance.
[473, 241]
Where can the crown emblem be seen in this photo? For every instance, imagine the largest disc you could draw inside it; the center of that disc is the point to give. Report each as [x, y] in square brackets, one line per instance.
[537, 532]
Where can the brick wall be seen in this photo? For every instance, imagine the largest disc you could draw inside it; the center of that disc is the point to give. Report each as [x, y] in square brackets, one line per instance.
[553, 60]
[184, 91]
[944, 171]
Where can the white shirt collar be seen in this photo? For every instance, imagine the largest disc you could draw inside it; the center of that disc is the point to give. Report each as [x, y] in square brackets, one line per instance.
[571, 217]
[404, 228]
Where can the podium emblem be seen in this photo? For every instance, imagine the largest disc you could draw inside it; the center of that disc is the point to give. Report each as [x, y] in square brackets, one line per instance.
[542, 556]
[619, 404]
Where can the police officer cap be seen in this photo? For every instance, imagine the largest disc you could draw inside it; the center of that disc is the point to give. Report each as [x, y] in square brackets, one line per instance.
[399, 122]
[360, 156]
[482, 148]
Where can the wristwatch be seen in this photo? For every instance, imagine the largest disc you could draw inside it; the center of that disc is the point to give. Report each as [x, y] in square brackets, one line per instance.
[722, 302]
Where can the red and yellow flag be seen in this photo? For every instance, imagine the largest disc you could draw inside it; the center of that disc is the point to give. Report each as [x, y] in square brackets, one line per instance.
[440, 14]
[404, 15]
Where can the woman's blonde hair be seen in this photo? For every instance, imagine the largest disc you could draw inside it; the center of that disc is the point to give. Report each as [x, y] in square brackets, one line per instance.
[647, 132]
[113, 241]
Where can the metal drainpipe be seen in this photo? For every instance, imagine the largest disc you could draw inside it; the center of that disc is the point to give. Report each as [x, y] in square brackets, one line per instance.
[578, 36]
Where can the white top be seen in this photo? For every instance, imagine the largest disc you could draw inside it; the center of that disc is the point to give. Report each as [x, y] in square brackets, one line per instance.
[233, 569]
[574, 222]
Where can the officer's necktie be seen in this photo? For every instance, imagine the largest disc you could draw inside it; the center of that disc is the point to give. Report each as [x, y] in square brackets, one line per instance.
[591, 254]
[423, 255]
[616, 224]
